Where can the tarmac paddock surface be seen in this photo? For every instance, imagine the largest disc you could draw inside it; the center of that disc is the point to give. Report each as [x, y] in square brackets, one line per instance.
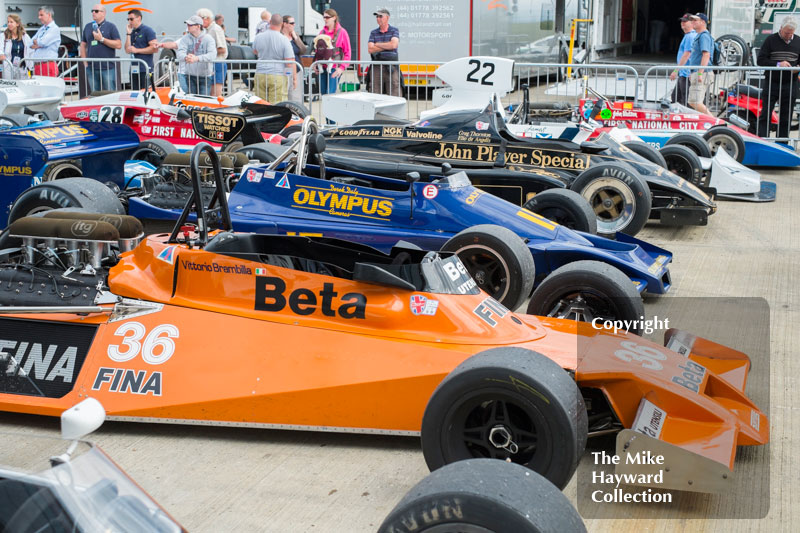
[234, 479]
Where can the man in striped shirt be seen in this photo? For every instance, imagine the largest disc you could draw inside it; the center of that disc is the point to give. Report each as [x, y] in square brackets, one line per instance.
[382, 46]
[780, 49]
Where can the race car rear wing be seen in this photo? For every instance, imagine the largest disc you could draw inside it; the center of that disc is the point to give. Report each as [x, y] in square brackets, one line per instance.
[245, 123]
[101, 147]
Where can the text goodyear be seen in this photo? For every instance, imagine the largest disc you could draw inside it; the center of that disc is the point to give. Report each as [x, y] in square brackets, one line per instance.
[342, 201]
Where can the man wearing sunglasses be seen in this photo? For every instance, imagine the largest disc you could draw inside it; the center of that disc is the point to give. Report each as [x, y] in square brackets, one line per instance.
[141, 43]
[100, 39]
[382, 46]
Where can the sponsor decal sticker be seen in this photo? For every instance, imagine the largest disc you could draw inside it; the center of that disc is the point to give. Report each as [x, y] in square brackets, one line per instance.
[81, 114]
[217, 268]
[691, 375]
[261, 271]
[430, 191]
[649, 419]
[253, 176]
[283, 183]
[269, 174]
[755, 420]
[343, 201]
[678, 347]
[421, 305]
[42, 359]
[490, 310]
[271, 296]
[168, 254]
[481, 126]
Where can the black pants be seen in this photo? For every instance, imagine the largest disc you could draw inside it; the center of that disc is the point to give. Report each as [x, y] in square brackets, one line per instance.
[783, 91]
[680, 93]
[139, 80]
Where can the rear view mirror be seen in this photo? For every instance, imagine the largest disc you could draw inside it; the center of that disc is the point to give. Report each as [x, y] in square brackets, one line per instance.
[82, 419]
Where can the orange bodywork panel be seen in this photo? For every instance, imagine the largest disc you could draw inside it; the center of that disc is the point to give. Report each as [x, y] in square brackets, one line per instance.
[206, 337]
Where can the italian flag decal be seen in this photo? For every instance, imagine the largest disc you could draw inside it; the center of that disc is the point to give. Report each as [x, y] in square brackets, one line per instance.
[261, 271]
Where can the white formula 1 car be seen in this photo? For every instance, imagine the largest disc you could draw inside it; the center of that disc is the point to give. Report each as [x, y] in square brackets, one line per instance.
[20, 100]
[474, 81]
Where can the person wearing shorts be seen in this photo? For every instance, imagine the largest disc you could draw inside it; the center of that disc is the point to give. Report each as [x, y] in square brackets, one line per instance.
[701, 79]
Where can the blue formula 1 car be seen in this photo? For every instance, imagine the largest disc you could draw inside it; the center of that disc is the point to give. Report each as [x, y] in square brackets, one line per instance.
[43, 153]
[508, 250]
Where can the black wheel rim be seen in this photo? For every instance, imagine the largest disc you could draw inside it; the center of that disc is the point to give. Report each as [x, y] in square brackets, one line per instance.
[494, 423]
[489, 270]
[583, 305]
[681, 167]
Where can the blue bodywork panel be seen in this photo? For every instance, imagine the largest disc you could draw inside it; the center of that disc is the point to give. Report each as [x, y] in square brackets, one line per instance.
[379, 211]
[103, 149]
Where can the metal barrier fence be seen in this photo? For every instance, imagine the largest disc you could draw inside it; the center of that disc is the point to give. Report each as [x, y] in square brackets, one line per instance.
[83, 76]
[270, 80]
[739, 94]
[745, 96]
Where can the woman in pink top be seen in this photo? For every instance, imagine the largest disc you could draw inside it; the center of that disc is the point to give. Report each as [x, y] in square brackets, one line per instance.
[328, 81]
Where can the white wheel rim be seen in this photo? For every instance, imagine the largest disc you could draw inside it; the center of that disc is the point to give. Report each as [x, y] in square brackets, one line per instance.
[612, 202]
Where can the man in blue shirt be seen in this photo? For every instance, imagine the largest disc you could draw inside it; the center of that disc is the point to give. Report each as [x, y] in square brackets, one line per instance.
[681, 90]
[382, 46]
[100, 39]
[141, 43]
[700, 79]
[45, 44]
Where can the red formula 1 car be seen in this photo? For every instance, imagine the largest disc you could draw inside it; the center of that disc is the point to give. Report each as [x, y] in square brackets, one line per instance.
[161, 117]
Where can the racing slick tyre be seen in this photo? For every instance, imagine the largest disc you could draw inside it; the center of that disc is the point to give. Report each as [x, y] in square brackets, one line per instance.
[83, 193]
[66, 168]
[263, 152]
[648, 152]
[13, 121]
[498, 260]
[232, 146]
[527, 503]
[299, 110]
[726, 138]
[480, 410]
[620, 199]
[585, 290]
[153, 151]
[691, 141]
[565, 207]
[683, 162]
[734, 51]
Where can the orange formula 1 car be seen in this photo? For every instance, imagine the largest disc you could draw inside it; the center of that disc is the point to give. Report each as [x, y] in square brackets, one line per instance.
[315, 333]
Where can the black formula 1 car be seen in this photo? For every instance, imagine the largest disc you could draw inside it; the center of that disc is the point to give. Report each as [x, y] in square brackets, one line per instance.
[623, 188]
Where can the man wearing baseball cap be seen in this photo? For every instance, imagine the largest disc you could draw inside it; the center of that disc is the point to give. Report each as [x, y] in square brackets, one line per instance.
[196, 50]
[700, 56]
[382, 46]
[681, 90]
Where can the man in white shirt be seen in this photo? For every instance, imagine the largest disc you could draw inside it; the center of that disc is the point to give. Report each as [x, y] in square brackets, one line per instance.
[45, 44]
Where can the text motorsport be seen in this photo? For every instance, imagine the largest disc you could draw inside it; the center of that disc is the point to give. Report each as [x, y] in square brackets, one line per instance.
[647, 326]
[618, 495]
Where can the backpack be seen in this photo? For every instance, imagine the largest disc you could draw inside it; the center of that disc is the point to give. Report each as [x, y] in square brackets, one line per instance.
[324, 49]
[716, 53]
